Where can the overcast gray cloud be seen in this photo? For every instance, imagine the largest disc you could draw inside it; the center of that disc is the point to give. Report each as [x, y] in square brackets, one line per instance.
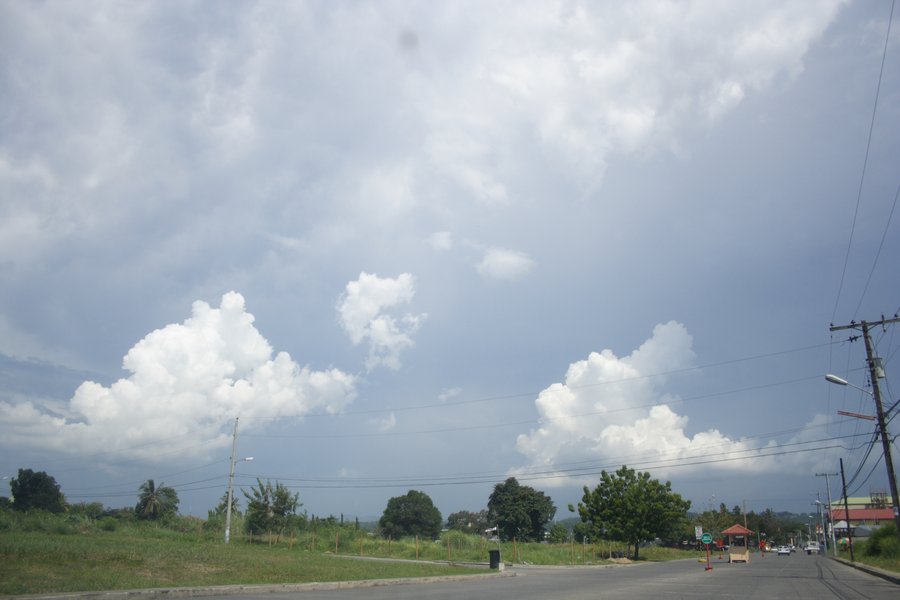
[511, 236]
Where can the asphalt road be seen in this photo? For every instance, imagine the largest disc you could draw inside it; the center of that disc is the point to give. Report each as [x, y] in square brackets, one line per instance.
[771, 577]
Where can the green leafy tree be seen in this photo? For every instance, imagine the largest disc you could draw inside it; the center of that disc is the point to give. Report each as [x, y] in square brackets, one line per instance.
[270, 508]
[412, 514]
[559, 533]
[36, 490]
[630, 507]
[521, 512]
[468, 522]
[156, 502]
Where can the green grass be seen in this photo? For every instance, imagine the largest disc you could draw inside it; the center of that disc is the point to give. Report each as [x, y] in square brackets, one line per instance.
[41, 553]
[42, 562]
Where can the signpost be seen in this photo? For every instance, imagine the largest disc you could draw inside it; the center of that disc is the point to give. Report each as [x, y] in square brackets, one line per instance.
[706, 538]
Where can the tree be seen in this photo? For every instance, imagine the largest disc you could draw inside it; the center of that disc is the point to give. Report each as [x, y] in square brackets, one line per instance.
[468, 522]
[270, 509]
[521, 512]
[630, 507]
[222, 507]
[36, 490]
[559, 533]
[156, 502]
[412, 514]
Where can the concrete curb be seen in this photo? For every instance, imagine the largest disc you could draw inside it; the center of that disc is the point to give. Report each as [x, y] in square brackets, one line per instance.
[886, 575]
[228, 590]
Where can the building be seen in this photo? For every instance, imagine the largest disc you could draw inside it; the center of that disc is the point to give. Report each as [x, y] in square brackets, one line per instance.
[868, 512]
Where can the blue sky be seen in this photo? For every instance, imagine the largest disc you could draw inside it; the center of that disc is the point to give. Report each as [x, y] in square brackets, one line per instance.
[431, 245]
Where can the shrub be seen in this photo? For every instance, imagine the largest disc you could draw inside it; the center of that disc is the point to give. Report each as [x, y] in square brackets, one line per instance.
[884, 542]
[108, 524]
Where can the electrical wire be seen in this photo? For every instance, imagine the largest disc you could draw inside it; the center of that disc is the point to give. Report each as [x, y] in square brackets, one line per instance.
[862, 176]
[887, 226]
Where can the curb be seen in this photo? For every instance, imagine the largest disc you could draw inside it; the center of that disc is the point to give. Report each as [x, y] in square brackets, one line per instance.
[228, 590]
[886, 575]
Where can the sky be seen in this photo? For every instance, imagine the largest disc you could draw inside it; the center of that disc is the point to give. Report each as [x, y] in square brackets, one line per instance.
[432, 245]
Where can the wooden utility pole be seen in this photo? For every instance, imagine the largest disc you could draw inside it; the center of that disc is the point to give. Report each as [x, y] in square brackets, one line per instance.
[830, 511]
[847, 513]
[873, 365]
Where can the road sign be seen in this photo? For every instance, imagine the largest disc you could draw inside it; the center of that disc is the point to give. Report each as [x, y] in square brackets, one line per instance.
[706, 538]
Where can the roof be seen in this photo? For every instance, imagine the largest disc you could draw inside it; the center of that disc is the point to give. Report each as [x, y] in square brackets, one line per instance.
[736, 530]
[864, 514]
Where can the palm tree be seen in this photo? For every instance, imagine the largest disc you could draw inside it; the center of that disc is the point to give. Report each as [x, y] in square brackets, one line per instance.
[155, 502]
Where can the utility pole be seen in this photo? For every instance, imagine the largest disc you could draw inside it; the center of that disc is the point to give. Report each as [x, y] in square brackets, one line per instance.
[830, 518]
[230, 483]
[847, 513]
[874, 366]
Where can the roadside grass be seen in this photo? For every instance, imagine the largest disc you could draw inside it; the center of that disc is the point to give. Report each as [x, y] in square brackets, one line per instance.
[42, 562]
[889, 561]
[42, 553]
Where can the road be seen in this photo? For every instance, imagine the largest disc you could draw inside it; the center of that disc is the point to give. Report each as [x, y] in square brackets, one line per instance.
[772, 577]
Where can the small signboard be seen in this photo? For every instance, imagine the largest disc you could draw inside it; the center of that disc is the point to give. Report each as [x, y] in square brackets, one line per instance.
[706, 538]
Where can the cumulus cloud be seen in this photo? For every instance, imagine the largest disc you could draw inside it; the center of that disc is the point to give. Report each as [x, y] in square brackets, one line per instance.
[614, 409]
[186, 380]
[362, 313]
[501, 263]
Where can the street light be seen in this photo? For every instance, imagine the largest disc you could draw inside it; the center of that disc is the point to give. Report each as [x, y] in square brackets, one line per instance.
[882, 431]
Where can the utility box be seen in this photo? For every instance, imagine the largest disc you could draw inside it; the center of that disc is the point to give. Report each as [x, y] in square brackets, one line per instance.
[495, 559]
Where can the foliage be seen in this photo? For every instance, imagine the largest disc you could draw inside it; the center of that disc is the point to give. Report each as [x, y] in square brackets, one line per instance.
[883, 542]
[559, 533]
[222, 506]
[156, 502]
[271, 508]
[89, 510]
[36, 490]
[521, 512]
[411, 515]
[468, 522]
[630, 507]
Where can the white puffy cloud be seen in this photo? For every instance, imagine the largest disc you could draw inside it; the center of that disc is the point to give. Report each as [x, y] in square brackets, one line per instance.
[361, 312]
[186, 380]
[502, 263]
[614, 410]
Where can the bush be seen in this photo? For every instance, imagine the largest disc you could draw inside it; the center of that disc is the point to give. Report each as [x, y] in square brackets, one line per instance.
[884, 542]
[108, 524]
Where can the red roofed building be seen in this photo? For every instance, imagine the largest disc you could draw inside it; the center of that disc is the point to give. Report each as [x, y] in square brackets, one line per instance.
[869, 511]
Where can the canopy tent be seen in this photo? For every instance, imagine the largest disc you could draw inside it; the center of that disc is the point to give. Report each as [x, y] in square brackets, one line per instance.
[738, 538]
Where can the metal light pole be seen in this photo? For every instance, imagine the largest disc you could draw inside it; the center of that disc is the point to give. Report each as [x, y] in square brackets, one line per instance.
[231, 483]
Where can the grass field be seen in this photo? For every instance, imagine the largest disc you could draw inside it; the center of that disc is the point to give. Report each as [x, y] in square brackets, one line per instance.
[38, 562]
[42, 553]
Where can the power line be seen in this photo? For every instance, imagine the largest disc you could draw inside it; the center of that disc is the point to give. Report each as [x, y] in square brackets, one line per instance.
[862, 176]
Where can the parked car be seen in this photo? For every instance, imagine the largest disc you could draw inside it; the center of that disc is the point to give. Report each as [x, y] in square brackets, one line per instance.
[784, 550]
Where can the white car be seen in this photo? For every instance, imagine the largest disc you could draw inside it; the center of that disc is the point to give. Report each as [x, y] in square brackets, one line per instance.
[784, 550]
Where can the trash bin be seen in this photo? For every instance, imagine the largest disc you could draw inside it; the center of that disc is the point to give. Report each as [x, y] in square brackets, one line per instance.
[495, 558]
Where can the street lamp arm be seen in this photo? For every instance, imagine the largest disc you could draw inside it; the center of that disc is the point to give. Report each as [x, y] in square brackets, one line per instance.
[841, 381]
